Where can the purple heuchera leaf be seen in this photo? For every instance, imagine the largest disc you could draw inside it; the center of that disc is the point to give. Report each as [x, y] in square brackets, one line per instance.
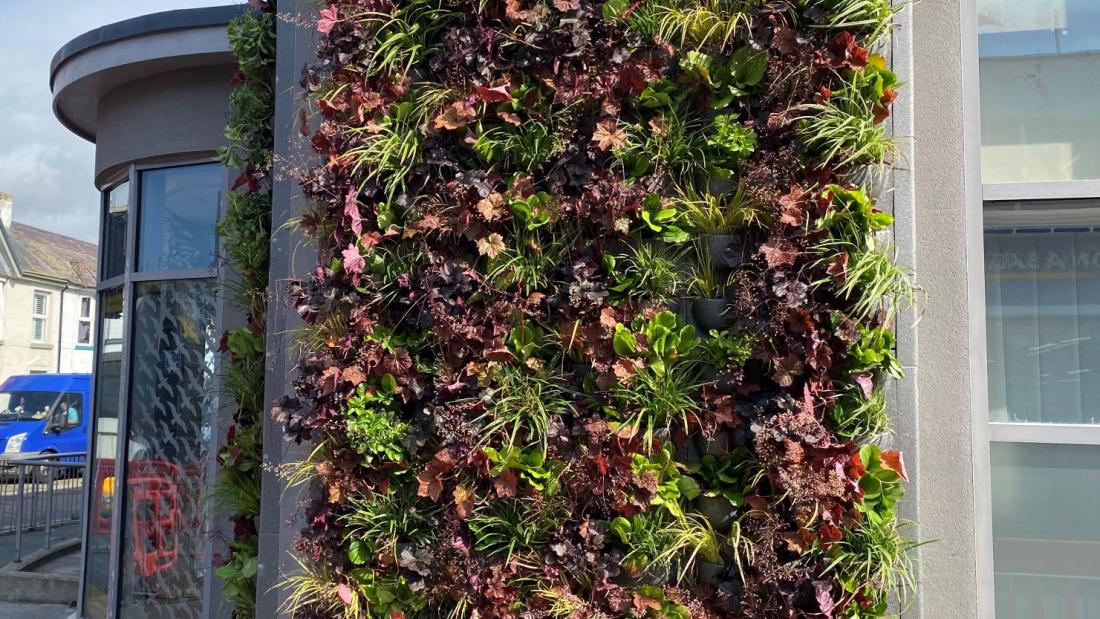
[351, 210]
[866, 384]
[823, 591]
[345, 593]
[328, 20]
[353, 260]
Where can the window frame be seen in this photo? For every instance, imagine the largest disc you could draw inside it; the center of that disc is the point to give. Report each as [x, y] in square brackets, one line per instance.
[1038, 432]
[1004, 432]
[1007, 432]
[43, 316]
[84, 318]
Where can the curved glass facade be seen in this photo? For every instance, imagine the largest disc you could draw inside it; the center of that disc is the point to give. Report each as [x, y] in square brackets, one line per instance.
[155, 402]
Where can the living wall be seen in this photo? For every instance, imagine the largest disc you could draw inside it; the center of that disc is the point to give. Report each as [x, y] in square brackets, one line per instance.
[602, 315]
[245, 238]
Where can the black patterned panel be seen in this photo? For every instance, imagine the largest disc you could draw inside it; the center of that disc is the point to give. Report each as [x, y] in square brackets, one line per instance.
[171, 408]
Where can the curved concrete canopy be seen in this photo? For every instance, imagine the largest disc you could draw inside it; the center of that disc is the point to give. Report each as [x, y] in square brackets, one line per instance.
[99, 61]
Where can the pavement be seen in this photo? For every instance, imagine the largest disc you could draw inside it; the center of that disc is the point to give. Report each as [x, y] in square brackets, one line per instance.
[34, 611]
[32, 541]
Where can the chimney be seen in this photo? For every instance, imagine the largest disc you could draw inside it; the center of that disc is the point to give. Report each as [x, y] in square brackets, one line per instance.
[5, 209]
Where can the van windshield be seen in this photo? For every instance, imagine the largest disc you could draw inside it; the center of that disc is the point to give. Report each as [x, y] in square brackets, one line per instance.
[26, 405]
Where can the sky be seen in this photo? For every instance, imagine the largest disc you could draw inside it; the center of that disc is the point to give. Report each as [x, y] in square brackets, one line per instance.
[47, 170]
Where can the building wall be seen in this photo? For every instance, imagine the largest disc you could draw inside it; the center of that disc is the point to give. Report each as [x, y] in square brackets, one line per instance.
[18, 354]
[949, 431]
[166, 116]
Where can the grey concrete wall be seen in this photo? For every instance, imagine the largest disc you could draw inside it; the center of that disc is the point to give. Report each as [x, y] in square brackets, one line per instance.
[280, 520]
[899, 197]
[952, 454]
[176, 114]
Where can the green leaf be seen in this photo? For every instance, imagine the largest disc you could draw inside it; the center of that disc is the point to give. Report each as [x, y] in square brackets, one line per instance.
[750, 66]
[688, 340]
[621, 527]
[688, 487]
[614, 9]
[358, 552]
[675, 235]
[624, 342]
[250, 567]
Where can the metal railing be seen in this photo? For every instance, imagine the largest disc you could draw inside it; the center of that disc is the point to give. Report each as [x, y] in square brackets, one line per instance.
[39, 493]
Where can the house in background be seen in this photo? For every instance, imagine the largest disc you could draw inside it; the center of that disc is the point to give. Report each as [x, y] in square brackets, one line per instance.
[47, 299]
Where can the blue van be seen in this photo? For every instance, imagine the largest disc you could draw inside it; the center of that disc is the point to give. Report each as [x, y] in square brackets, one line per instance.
[45, 413]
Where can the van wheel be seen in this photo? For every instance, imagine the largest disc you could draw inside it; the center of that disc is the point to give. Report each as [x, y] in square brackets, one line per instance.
[41, 474]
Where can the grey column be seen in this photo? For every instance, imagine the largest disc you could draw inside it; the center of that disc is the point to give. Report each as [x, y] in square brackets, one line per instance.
[290, 257]
[952, 460]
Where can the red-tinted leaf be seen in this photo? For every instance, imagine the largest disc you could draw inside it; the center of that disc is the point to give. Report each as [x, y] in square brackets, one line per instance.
[608, 135]
[791, 209]
[505, 483]
[838, 268]
[882, 108]
[457, 115]
[643, 603]
[856, 467]
[891, 460]
[845, 52]
[464, 501]
[496, 94]
[502, 355]
[353, 374]
[431, 485]
[779, 252]
[829, 533]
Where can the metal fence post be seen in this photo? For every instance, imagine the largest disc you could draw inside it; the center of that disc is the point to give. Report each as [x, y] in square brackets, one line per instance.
[32, 481]
[19, 517]
[49, 505]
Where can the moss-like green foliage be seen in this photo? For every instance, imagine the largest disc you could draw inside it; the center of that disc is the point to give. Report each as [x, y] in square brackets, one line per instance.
[601, 320]
[245, 237]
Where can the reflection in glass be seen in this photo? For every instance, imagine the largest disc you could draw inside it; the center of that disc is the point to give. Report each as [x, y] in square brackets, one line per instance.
[1038, 102]
[171, 407]
[102, 459]
[1045, 537]
[114, 231]
[179, 210]
[1043, 311]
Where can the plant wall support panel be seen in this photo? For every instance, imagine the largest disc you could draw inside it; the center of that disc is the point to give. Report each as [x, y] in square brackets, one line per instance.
[245, 237]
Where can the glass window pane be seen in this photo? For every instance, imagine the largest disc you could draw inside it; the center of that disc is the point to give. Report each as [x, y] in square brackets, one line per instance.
[102, 459]
[1042, 262]
[171, 403]
[179, 209]
[1038, 103]
[114, 231]
[1045, 538]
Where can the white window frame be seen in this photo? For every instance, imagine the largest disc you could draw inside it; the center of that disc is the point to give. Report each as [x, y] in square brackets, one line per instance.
[1033, 432]
[1030, 432]
[44, 316]
[84, 318]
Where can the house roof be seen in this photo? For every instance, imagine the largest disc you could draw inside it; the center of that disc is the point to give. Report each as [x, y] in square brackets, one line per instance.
[47, 254]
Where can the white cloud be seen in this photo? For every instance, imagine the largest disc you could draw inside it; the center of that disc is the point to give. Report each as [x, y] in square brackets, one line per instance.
[48, 170]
